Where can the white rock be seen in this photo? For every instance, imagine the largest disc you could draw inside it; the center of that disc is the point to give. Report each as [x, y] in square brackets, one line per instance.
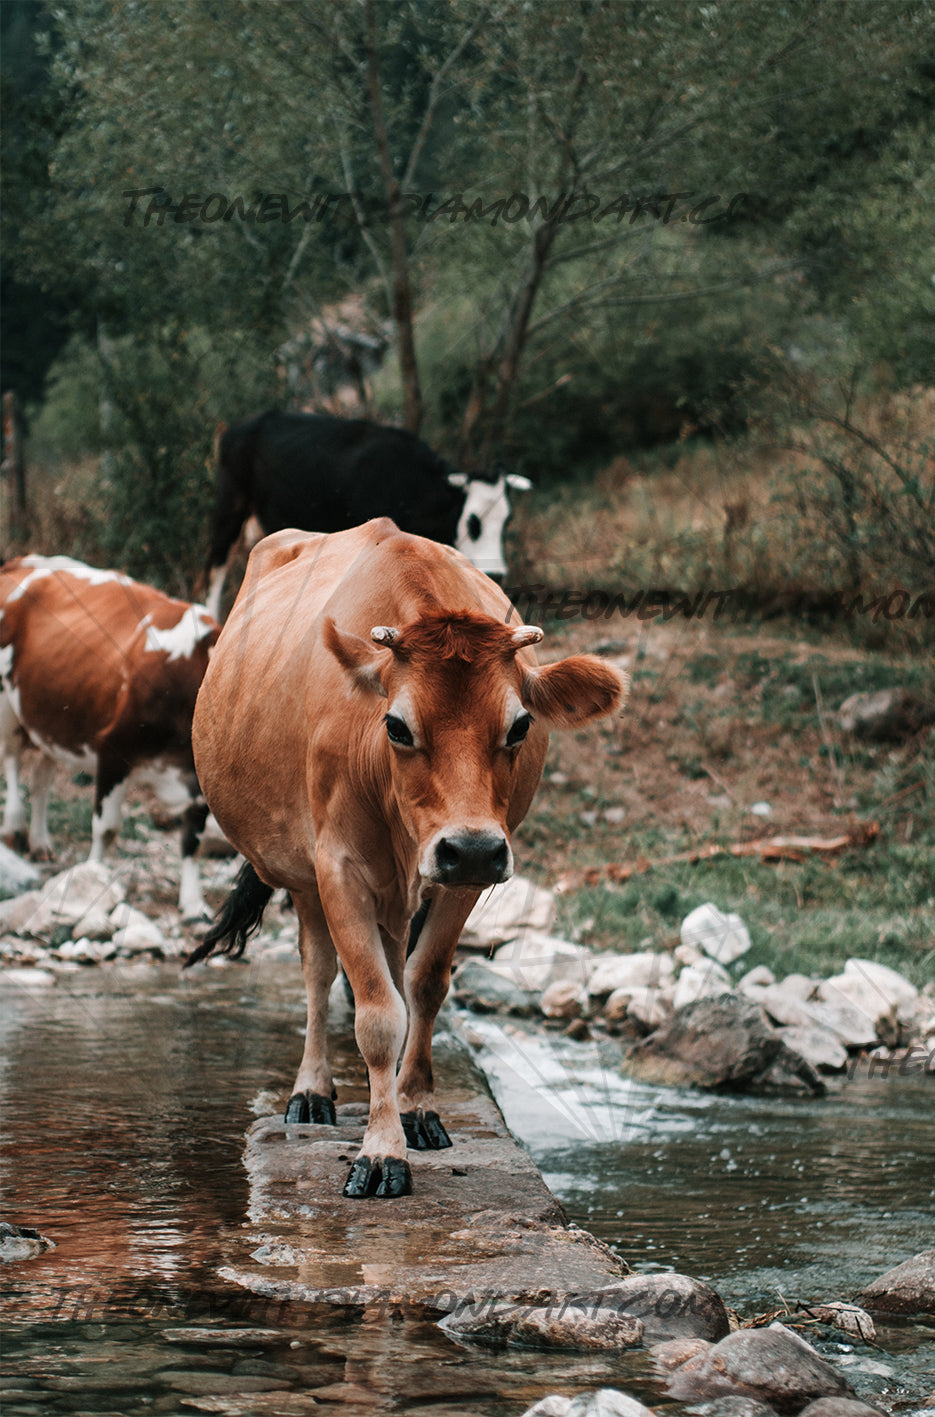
[535, 960]
[650, 1007]
[798, 986]
[555, 1405]
[755, 980]
[17, 915]
[892, 986]
[816, 1045]
[502, 913]
[761, 809]
[85, 951]
[16, 875]
[848, 1025]
[607, 1402]
[642, 969]
[722, 937]
[67, 897]
[95, 924]
[125, 915]
[782, 1000]
[564, 999]
[864, 997]
[704, 981]
[140, 934]
[688, 954]
[616, 1005]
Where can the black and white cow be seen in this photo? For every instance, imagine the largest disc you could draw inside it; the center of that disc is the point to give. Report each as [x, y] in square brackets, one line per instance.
[317, 472]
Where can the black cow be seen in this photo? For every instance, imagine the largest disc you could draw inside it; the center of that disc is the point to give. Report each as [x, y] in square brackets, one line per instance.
[320, 473]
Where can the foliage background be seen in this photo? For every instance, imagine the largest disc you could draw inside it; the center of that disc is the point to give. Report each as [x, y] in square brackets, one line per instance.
[556, 346]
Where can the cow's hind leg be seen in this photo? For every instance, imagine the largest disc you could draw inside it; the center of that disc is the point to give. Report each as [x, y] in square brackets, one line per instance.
[11, 742]
[428, 972]
[110, 793]
[40, 788]
[313, 1096]
[191, 901]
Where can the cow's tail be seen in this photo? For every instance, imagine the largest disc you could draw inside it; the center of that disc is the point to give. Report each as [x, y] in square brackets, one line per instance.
[239, 917]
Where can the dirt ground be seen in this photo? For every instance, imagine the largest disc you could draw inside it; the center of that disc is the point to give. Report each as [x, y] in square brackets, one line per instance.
[718, 720]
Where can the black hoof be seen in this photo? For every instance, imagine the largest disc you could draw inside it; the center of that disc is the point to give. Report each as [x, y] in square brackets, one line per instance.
[386, 1179]
[424, 1131]
[311, 1107]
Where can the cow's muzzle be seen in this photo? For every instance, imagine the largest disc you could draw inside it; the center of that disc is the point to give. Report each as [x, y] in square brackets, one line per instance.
[470, 858]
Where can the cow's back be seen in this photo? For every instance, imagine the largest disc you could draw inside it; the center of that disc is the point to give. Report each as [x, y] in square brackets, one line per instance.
[87, 648]
[273, 687]
[64, 637]
[326, 473]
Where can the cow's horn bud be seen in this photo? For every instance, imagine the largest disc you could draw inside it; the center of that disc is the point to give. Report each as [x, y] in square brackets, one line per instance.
[383, 635]
[526, 635]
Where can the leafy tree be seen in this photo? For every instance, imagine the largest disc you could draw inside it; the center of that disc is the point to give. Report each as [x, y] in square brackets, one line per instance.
[593, 117]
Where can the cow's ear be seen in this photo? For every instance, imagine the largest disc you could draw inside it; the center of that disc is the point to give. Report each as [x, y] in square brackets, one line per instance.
[458, 479]
[518, 482]
[359, 660]
[574, 691]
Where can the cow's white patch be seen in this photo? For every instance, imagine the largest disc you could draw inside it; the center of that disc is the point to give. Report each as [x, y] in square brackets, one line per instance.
[180, 640]
[42, 566]
[480, 527]
[105, 824]
[81, 760]
[6, 659]
[191, 901]
[171, 784]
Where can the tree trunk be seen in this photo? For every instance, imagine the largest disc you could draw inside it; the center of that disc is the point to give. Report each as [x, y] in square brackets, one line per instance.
[14, 521]
[402, 291]
[482, 426]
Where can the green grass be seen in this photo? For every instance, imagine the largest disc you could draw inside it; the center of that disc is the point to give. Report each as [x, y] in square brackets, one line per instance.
[808, 916]
[804, 918]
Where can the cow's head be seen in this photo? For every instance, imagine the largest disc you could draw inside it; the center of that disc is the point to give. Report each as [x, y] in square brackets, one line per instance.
[485, 513]
[465, 722]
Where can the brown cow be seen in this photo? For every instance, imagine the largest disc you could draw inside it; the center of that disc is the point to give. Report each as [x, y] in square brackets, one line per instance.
[100, 672]
[370, 732]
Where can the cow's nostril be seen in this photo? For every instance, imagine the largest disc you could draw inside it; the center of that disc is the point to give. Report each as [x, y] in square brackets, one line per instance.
[447, 854]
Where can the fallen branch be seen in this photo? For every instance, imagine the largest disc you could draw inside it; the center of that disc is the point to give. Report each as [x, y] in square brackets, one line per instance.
[770, 848]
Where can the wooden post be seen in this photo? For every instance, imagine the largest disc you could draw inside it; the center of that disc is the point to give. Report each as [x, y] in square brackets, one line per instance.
[13, 520]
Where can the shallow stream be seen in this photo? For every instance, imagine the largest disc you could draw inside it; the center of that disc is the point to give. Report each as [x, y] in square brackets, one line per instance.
[126, 1094]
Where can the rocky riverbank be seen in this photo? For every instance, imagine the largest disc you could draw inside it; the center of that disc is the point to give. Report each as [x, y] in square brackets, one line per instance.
[694, 1016]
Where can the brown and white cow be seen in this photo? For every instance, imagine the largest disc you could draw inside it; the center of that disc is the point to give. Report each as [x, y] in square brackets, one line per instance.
[100, 672]
[370, 732]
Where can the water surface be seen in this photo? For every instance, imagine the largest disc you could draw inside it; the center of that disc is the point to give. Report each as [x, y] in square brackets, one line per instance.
[126, 1093]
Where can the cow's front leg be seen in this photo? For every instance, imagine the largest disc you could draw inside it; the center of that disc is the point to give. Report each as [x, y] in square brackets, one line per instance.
[313, 1096]
[428, 971]
[191, 900]
[110, 792]
[370, 963]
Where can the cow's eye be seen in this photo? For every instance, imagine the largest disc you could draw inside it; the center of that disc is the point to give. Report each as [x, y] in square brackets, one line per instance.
[474, 527]
[518, 730]
[397, 731]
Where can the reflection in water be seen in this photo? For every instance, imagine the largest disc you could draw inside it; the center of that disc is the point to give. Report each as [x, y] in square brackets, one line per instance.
[763, 1197]
[126, 1094]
